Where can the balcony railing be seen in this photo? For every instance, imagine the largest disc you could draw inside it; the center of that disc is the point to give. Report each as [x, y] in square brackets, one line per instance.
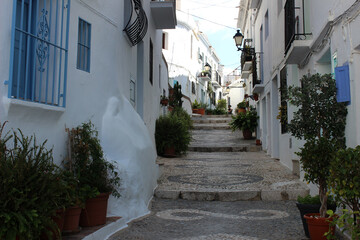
[294, 23]
[136, 27]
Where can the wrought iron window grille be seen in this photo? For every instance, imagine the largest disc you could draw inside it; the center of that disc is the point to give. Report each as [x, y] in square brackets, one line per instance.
[137, 25]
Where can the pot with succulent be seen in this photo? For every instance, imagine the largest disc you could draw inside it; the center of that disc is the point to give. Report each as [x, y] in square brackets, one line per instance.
[319, 120]
[172, 133]
[246, 122]
[98, 178]
[345, 184]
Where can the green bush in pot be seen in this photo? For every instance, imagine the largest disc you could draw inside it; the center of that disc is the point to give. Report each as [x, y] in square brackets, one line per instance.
[88, 163]
[31, 188]
[319, 119]
[172, 131]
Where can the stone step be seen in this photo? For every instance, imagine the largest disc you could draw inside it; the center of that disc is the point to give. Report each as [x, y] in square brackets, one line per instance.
[211, 120]
[239, 176]
[209, 126]
[232, 196]
[210, 116]
[240, 148]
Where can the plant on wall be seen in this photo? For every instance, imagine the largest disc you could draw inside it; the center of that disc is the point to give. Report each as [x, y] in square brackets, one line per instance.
[175, 99]
[320, 120]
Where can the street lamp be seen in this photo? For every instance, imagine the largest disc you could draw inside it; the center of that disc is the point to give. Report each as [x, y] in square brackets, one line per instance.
[238, 37]
[207, 67]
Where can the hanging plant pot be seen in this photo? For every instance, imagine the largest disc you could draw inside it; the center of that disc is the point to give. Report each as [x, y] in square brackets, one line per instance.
[71, 221]
[247, 134]
[318, 226]
[164, 102]
[170, 108]
[169, 152]
[258, 142]
[256, 97]
[94, 213]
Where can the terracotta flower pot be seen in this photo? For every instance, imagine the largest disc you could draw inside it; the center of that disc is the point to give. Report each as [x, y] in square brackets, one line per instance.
[195, 110]
[164, 102]
[318, 226]
[201, 111]
[310, 208]
[94, 213]
[71, 221]
[169, 152]
[242, 110]
[258, 142]
[247, 134]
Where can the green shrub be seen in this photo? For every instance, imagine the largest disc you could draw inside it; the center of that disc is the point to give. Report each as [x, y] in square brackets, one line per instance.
[221, 105]
[172, 131]
[184, 116]
[87, 162]
[195, 105]
[31, 187]
[308, 199]
[245, 121]
[242, 104]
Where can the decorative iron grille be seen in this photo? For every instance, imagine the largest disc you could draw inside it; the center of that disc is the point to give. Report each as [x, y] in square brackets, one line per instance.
[39, 51]
[137, 25]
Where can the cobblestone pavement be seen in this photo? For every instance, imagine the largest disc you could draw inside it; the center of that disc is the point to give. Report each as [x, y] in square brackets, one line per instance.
[206, 194]
[195, 220]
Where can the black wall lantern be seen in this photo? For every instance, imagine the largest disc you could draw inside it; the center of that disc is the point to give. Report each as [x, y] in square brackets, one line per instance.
[238, 37]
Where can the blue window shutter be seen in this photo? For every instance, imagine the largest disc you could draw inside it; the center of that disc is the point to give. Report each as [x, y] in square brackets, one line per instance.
[343, 83]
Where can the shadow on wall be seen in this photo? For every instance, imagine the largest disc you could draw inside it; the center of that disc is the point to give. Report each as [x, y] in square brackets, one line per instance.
[127, 142]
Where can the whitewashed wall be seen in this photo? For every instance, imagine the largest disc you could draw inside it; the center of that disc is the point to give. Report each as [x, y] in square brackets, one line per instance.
[101, 96]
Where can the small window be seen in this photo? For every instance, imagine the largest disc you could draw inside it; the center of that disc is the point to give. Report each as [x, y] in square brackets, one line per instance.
[151, 64]
[132, 91]
[266, 24]
[84, 40]
[193, 89]
[165, 40]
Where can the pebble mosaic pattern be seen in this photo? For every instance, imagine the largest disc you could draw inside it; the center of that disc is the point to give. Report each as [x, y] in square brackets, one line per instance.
[216, 179]
[195, 214]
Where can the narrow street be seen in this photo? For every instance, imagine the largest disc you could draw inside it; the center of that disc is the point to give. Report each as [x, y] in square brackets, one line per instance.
[224, 188]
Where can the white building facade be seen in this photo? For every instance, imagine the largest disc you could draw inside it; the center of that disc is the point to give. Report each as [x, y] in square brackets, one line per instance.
[65, 62]
[187, 51]
[293, 38]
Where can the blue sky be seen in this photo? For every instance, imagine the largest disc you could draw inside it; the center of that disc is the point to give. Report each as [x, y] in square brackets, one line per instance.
[220, 27]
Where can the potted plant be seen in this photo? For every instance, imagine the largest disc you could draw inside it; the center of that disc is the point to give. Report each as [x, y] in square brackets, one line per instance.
[164, 101]
[256, 96]
[311, 204]
[345, 184]
[246, 122]
[30, 189]
[195, 106]
[319, 120]
[172, 135]
[93, 171]
[175, 100]
[242, 106]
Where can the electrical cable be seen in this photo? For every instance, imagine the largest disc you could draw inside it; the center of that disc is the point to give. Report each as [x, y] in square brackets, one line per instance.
[208, 20]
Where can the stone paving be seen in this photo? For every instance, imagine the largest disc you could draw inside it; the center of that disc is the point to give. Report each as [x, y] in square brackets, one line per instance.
[224, 188]
[195, 220]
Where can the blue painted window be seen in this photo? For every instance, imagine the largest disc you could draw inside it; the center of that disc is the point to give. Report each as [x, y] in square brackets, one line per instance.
[39, 51]
[343, 83]
[84, 40]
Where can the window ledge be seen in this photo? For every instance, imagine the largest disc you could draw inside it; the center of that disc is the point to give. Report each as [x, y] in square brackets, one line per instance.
[14, 104]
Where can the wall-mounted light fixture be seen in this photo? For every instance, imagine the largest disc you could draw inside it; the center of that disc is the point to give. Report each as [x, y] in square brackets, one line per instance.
[238, 37]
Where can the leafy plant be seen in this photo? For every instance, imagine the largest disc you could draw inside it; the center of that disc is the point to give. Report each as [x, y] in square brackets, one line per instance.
[221, 105]
[244, 121]
[175, 99]
[346, 222]
[242, 104]
[184, 116]
[320, 120]
[344, 180]
[195, 105]
[88, 163]
[172, 131]
[308, 199]
[30, 187]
